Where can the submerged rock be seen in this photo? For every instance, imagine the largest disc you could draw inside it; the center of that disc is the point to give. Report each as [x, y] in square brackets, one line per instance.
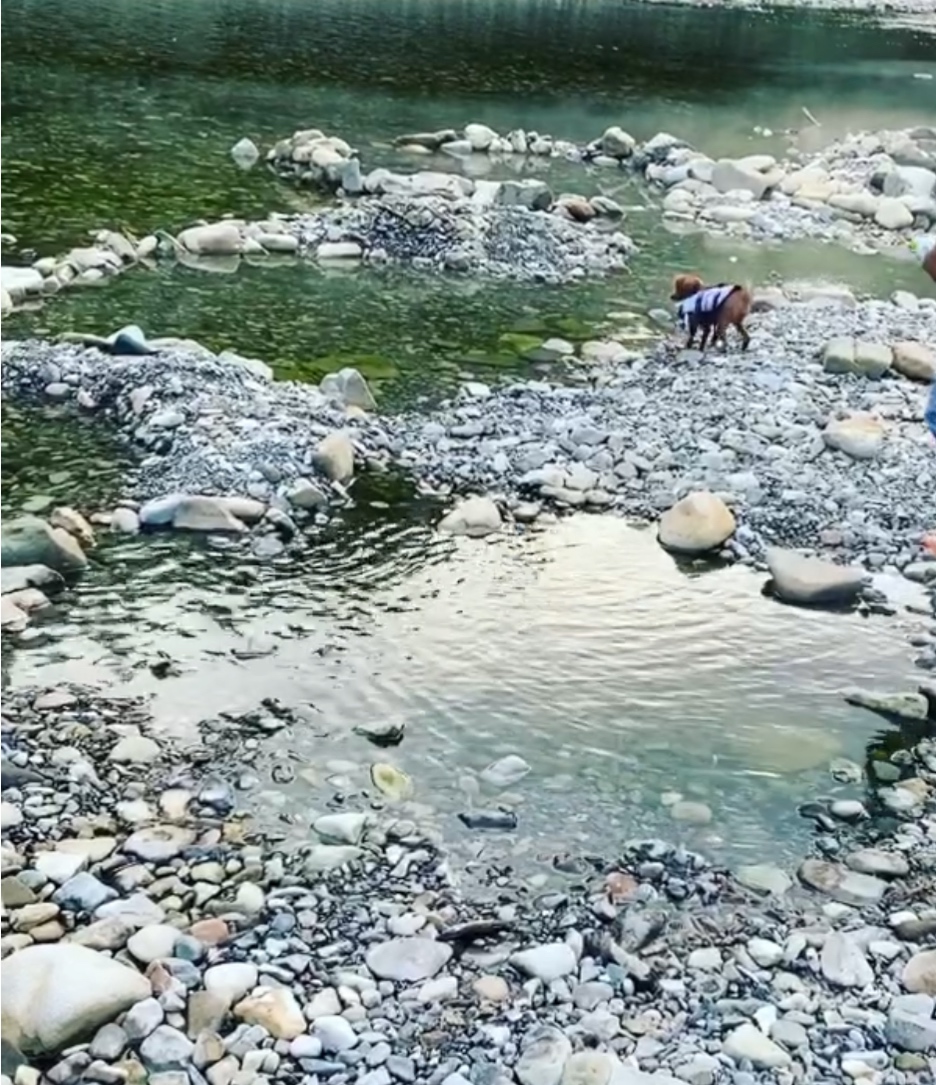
[29, 540]
[475, 517]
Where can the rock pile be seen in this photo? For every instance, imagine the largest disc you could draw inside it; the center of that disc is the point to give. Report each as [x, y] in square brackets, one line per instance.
[150, 934]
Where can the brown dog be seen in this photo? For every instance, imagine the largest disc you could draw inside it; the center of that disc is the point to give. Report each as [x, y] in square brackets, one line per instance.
[713, 309]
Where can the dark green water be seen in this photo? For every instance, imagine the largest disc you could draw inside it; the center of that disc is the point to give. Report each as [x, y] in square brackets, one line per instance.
[616, 674]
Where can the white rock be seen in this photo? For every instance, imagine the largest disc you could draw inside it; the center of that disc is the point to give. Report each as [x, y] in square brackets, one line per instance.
[748, 1042]
[275, 1009]
[764, 952]
[153, 942]
[135, 749]
[547, 962]
[544, 1052]
[334, 457]
[231, 981]
[346, 828]
[474, 517]
[893, 214]
[480, 136]
[408, 959]
[844, 963]
[440, 989]
[335, 1033]
[218, 239]
[729, 176]
[59, 866]
[324, 1003]
[56, 995]
[705, 959]
[339, 250]
[506, 771]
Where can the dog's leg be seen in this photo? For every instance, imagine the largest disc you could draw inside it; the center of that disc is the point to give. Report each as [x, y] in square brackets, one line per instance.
[745, 338]
[706, 328]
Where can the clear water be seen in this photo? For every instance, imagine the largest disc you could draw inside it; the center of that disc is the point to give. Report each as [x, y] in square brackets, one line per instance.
[617, 674]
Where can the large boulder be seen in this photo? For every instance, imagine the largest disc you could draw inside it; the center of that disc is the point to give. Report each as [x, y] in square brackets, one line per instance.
[480, 136]
[334, 457]
[893, 214]
[58, 995]
[476, 517]
[864, 358]
[218, 239]
[15, 578]
[809, 581]
[915, 360]
[910, 181]
[698, 523]
[860, 435]
[29, 540]
[20, 281]
[730, 176]
[616, 143]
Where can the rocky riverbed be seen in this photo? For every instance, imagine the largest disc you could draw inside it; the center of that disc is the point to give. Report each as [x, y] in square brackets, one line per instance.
[150, 934]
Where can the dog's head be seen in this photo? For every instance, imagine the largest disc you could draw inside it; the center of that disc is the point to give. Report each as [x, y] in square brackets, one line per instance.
[684, 286]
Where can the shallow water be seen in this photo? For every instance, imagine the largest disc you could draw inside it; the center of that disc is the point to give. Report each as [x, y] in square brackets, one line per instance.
[615, 673]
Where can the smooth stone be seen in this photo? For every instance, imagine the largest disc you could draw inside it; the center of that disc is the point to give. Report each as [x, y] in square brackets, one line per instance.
[748, 1043]
[408, 959]
[692, 813]
[29, 540]
[324, 857]
[83, 893]
[142, 1018]
[136, 750]
[698, 523]
[158, 843]
[886, 864]
[231, 980]
[810, 581]
[346, 828]
[546, 962]
[334, 457]
[911, 1023]
[840, 883]
[919, 973]
[166, 1048]
[764, 952]
[153, 942]
[505, 772]
[57, 995]
[859, 435]
[334, 1033]
[474, 517]
[275, 1009]
[543, 1055]
[844, 963]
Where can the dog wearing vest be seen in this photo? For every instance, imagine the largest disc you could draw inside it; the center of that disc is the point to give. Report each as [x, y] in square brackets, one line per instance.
[713, 309]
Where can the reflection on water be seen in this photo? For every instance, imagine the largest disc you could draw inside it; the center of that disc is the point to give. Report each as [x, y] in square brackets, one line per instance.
[583, 648]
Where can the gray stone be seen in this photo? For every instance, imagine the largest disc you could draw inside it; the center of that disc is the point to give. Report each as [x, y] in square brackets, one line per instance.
[840, 883]
[158, 843]
[166, 1048]
[28, 540]
[334, 1033]
[911, 1024]
[408, 959]
[809, 581]
[546, 962]
[344, 828]
[543, 1056]
[83, 893]
[109, 1043]
[334, 457]
[747, 1042]
[844, 963]
[886, 864]
[475, 517]
[153, 942]
[142, 1018]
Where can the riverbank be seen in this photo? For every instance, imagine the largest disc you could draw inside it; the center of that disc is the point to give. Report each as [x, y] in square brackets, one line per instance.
[181, 942]
[814, 437]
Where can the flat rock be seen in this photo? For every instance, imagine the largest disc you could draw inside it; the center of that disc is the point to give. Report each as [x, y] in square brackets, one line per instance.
[29, 540]
[231, 980]
[764, 878]
[860, 435]
[158, 843]
[547, 962]
[844, 963]
[408, 959]
[885, 864]
[136, 750]
[196, 512]
[345, 828]
[915, 360]
[809, 581]
[747, 1042]
[840, 883]
[57, 995]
